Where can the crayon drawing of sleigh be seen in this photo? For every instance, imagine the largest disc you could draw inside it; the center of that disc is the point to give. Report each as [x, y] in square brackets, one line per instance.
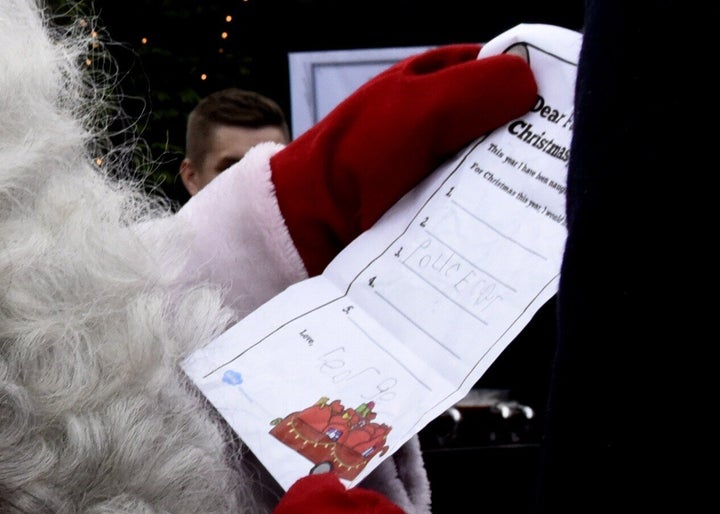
[334, 438]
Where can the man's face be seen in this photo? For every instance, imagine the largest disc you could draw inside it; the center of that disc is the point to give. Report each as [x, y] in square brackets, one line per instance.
[227, 146]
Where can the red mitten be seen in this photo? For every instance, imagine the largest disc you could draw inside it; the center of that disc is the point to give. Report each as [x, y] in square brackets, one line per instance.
[325, 494]
[335, 181]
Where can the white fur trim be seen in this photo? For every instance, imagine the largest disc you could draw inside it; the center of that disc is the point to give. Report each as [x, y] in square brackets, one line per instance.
[240, 238]
[403, 479]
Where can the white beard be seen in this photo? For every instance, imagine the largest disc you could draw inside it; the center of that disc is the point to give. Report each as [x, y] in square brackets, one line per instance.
[95, 416]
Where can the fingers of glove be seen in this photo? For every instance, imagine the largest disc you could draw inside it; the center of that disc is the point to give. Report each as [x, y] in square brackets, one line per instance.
[422, 120]
[432, 60]
[403, 118]
[450, 105]
[474, 97]
[440, 58]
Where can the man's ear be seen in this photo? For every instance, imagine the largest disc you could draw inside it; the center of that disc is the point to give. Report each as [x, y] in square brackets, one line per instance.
[189, 176]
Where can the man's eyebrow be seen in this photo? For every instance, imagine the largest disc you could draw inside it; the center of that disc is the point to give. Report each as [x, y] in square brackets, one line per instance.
[226, 162]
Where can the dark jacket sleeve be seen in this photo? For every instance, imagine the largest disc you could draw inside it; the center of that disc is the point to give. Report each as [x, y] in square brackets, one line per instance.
[620, 421]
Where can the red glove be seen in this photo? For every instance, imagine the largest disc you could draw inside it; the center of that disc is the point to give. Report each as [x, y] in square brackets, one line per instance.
[325, 494]
[335, 181]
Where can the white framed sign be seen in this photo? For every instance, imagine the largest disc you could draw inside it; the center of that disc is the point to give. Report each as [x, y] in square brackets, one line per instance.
[320, 80]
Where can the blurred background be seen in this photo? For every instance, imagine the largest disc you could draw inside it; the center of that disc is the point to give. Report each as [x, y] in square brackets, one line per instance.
[171, 53]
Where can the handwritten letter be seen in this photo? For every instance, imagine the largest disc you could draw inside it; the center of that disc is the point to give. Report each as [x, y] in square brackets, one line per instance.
[338, 371]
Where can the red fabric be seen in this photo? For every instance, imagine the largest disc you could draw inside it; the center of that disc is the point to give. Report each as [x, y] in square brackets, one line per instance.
[335, 181]
[325, 494]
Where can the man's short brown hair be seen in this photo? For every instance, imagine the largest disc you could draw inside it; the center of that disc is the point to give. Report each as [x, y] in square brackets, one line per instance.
[234, 107]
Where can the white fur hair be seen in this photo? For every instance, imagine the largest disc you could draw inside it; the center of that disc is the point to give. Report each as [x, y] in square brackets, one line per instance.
[95, 415]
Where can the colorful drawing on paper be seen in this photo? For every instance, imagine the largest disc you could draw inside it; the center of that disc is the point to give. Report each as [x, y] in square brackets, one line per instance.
[334, 438]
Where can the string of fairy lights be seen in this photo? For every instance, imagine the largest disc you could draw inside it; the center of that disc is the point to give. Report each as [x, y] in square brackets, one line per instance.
[146, 40]
[223, 36]
[201, 69]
